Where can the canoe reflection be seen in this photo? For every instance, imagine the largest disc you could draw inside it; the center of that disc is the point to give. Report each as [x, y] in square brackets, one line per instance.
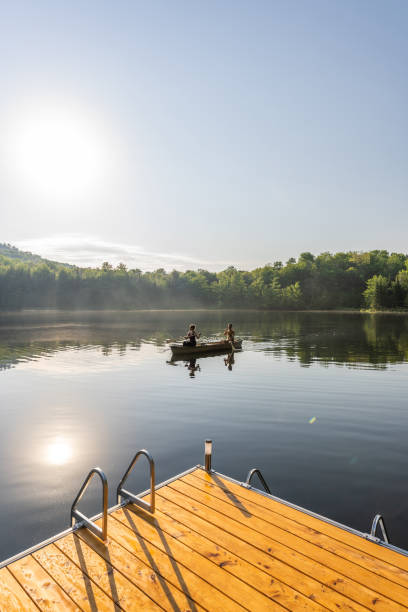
[193, 366]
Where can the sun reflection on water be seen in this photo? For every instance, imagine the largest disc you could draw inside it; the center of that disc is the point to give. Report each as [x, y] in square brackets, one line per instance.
[58, 452]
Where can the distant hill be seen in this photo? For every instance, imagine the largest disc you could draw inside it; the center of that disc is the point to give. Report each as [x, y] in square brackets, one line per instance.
[7, 250]
[11, 252]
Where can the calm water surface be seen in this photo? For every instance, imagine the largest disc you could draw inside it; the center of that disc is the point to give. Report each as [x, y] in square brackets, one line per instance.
[317, 401]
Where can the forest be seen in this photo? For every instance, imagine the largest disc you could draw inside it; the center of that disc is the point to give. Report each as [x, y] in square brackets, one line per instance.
[373, 280]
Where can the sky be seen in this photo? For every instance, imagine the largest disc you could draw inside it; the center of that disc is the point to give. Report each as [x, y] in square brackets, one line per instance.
[203, 134]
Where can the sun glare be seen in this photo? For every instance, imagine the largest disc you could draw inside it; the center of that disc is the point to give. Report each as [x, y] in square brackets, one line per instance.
[58, 452]
[58, 153]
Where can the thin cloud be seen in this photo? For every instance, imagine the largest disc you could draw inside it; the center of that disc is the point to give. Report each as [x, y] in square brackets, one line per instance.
[90, 251]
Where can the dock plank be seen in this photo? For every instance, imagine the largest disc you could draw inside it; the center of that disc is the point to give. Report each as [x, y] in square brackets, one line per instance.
[169, 542]
[13, 598]
[385, 554]
[241, 514]
[42, 589]
[143, 576]
[85, 593]
[118, 587]
[198, 589]
[328, 543]
[255, 578]
[291, 559]
[282, 578]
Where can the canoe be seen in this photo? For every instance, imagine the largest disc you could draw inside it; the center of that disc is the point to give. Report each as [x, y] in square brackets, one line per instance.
[204, 347]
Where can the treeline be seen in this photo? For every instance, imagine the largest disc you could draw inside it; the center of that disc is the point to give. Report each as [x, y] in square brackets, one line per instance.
[374, 280]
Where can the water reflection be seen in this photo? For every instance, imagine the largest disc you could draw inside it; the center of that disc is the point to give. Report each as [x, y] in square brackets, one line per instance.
[192, 367]
[58, 452]
[230, 360]
[354, 339]
[192, 364]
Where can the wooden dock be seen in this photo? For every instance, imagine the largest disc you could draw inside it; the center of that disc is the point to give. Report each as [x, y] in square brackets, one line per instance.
[212, 544]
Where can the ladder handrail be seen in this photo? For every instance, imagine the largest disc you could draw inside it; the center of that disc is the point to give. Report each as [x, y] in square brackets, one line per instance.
[79, 516]
[121, 492]
[378, 520]
[252, 473]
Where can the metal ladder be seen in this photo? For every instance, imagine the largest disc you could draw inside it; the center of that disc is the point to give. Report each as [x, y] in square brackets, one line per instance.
[78, 519]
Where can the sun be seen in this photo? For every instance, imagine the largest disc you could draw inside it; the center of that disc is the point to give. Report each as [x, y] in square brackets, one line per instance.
[58, 153]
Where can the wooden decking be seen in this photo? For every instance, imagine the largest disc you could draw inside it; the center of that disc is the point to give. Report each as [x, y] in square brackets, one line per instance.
[211, 545]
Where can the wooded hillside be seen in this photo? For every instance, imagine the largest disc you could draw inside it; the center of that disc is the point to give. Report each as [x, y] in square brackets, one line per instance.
[374, 279]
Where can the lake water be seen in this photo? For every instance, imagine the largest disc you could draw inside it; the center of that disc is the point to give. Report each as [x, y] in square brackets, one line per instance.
[318, 401]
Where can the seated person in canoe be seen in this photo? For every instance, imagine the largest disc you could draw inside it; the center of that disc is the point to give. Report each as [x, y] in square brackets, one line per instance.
[192, 336]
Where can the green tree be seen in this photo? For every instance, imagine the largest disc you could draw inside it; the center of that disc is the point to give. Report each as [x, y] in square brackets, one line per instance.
[377, 293]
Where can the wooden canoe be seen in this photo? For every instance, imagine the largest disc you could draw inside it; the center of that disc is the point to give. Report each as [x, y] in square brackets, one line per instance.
[204, 347]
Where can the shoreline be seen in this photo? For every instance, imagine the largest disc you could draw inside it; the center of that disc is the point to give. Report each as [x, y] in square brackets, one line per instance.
[54, 311]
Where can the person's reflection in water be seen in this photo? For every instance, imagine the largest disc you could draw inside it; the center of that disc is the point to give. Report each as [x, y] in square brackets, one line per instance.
[193, 366]
[229, 360]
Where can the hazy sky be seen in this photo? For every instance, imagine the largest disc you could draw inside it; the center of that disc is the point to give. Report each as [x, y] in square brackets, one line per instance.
[202, 134]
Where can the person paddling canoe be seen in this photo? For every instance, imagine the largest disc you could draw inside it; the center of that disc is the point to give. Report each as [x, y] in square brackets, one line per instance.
[192, 336]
